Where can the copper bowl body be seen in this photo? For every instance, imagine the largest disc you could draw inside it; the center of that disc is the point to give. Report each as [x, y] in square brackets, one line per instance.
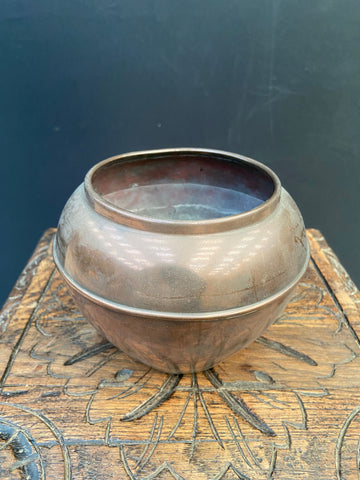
[181, 257]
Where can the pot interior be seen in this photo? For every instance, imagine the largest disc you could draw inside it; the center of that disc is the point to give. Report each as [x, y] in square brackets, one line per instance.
[183, 186]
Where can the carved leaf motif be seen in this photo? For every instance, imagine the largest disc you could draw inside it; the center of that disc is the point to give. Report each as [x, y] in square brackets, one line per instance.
[22, 455]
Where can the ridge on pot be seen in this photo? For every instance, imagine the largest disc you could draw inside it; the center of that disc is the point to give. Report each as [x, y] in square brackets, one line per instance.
[180, 257]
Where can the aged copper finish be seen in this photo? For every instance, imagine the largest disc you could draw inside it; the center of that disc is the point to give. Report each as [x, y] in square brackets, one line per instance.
[181, 257]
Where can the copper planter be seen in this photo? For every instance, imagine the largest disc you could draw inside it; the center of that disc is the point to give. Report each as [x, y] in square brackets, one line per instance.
[181, 257]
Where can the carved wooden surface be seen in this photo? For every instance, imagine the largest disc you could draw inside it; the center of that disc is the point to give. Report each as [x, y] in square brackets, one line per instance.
[287, 407]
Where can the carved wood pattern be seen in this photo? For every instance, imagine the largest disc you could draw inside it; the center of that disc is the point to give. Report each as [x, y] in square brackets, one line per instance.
[288, 406]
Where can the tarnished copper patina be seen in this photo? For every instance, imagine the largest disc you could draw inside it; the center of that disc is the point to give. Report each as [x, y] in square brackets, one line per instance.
[181, 257]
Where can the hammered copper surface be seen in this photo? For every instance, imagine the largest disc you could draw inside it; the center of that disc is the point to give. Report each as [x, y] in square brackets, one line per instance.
[181, 257]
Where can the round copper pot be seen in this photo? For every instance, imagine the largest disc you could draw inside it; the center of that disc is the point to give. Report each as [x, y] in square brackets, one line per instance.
[181, 257]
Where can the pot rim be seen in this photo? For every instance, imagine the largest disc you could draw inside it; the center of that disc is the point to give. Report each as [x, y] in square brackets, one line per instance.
[178, 316]
[214, 225]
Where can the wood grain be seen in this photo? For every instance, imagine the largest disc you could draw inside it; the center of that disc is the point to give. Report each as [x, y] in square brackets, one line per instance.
[287, 407]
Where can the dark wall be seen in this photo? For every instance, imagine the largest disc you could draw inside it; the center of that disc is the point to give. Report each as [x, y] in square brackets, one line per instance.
[82, 80]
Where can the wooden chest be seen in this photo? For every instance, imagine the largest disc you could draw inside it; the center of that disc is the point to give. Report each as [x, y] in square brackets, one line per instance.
[74, 407]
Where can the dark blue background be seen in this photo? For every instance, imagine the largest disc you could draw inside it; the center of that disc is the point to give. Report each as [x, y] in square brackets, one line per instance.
[82, 80]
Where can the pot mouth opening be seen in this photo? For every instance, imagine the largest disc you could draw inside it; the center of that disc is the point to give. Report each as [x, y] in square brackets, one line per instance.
[180, 188]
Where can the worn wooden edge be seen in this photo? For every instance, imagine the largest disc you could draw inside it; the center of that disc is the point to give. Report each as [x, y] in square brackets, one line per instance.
[347, 297]
[25, 297]
[341, 273]
[336, 279]
[24, 280]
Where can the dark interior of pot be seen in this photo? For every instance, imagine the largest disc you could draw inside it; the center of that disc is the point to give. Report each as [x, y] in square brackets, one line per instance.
[183, 186]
